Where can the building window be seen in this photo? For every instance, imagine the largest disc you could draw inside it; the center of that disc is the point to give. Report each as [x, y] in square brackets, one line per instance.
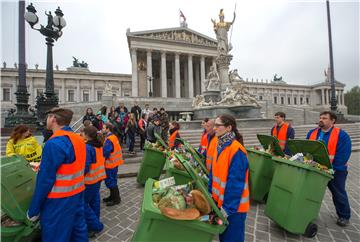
[99, 95]
[71, 96]
[275, 100]
[301, 100]
[6, 95]
[126, 93]
[295, 101]
[39, 91]
[307, 100]
[289, 101]
[86, 95]
[260, 98]
[282, 100]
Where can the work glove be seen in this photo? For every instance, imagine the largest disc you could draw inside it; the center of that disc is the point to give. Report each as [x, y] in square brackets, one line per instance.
[33, 218]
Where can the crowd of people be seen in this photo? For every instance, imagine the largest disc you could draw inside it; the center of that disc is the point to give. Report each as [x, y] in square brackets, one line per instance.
[72, 167]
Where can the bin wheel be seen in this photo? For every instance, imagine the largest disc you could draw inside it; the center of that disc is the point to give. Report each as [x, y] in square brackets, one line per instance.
[311, 230]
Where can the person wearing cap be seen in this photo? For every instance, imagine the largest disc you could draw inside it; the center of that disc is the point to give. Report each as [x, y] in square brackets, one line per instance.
[338, 144]
[97, 122]
[58, 197]
[154, 127]
[113, 158]
[282, 131]
[229, 178]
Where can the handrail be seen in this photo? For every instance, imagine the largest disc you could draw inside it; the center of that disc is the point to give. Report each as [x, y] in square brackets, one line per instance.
[76, 123]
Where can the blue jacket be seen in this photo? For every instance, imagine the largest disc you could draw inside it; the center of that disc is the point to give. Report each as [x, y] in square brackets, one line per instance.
[290, 134]
[235, 181]
[90, 157]
[108, 147]
[57, 151]
[343, 147]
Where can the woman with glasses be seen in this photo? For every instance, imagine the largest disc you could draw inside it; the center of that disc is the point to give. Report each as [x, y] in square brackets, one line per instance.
[228, 179]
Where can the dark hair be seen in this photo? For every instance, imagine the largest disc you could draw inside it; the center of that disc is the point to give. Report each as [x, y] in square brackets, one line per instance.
[176, 125]
[162, 109]
[154, 109]
[229, 120]
[87, 123]
[103, 110]
[280, 114]
[109, 126]
[143, 115]
[18, 132]
[206, 120]
[92, 112]
[63, 115]
[91, 132]
[331, 114]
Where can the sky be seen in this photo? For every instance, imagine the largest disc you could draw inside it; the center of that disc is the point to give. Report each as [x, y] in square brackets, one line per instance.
[289, 37]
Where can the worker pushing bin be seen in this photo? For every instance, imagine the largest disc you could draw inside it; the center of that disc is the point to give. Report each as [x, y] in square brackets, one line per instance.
[262, 166]
[17, 187]
[298, 188]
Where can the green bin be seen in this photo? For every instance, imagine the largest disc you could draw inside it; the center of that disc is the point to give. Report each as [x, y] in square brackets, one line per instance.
[151, 165]
[154, 226]
[17, 187]
[262, 167]
[297, 189]
[181, 177]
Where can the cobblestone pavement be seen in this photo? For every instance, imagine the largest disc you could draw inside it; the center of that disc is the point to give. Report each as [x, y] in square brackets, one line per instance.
[121, 220]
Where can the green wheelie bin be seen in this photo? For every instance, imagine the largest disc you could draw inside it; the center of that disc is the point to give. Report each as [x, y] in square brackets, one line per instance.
[262, 167]
[297, 188]
[152, 163]
[181, 177]
[17, 187]
[154, 226]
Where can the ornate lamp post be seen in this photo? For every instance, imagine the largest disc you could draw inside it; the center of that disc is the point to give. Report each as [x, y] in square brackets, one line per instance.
[52, 31]
[151, 79]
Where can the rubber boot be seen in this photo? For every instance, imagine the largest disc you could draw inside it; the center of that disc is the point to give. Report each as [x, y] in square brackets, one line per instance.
[116, 197]
[110, 197]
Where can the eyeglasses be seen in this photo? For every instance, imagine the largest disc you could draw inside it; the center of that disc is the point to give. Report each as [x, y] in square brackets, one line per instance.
[219, 125]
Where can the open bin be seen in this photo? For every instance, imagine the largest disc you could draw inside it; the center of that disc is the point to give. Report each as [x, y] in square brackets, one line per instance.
[297, 188]
[17, 187]
[181, 176]
[262, 167]
[154, 226]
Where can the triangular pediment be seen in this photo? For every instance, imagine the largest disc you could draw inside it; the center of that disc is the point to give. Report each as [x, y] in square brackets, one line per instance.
[180, 34]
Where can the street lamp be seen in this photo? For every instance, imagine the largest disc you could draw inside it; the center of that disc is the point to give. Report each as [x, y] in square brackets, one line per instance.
[150, 78]
[52, 31]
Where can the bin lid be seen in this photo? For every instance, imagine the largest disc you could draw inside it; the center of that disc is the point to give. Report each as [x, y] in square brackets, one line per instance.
[195, 154]
[314, 147]
[200, 185]
[17, 187]
[161, 141]
[266, 140]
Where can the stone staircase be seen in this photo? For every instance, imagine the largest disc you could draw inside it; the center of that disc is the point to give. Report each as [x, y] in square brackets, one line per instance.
[132, 162]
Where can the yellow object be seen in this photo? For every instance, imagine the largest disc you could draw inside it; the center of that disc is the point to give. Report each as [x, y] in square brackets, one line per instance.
[29, 148]
[156, 185]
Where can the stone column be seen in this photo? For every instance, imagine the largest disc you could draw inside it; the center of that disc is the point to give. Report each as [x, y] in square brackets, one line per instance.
[13, 90]
[202, 73]
[163, 75]
[31, 91]
[214, 62]
[190, 77]
[177, 76]
[197, 74]
[92, 94]
[62, 91]
[78, 91]
[342, 97]
[134, 79]
[149, 72]
[322, 97]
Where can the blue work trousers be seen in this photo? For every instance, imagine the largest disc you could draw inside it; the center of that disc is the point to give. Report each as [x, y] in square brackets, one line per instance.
[235, 231]
[111, 177]
[92, 207]
[339, 195]
[63, 219]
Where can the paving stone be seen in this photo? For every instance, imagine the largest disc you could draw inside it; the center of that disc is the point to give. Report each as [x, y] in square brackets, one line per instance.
[353, 236]
[262, 236]
[338, 235]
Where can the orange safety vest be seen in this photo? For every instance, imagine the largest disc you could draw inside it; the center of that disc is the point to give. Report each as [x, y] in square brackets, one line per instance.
[116, 157]
[203, 142]
[70, 177]
[210, 152]
[281, 136]
[332, 143]
[220, 168]
[172, 139]
[97, 169]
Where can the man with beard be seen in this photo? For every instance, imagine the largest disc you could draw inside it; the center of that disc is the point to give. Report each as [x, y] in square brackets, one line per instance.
[338, 144]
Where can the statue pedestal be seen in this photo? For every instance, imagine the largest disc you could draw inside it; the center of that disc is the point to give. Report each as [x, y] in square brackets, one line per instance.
[212, 95]
[223, 63]
[238, 111]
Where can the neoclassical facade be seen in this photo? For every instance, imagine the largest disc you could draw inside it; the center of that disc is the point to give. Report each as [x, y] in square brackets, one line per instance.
[168, 64]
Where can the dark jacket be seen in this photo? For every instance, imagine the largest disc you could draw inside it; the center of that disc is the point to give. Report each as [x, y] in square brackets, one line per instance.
[89, 117]
[150, 132]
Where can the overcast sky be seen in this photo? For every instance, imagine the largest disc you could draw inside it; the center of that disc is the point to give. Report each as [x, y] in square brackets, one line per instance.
[285, 37]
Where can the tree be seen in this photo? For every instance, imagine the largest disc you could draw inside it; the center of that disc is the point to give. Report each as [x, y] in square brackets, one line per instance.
[352, 100]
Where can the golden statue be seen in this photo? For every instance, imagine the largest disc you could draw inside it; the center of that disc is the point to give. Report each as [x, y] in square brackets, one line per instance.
[221, 28]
